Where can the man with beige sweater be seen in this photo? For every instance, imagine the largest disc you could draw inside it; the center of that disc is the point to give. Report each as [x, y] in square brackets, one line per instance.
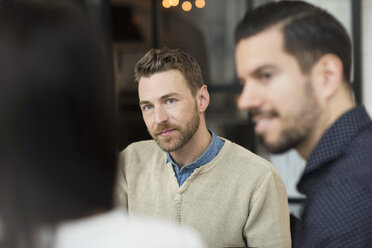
[187, 174]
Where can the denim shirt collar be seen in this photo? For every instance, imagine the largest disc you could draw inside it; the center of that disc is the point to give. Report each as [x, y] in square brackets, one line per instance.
[211, 152]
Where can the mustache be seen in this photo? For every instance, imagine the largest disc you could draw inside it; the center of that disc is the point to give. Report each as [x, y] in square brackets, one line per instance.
[254, 113]
[163, 127]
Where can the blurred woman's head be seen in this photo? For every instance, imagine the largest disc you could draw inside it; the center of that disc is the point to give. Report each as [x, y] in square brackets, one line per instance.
[56, 102]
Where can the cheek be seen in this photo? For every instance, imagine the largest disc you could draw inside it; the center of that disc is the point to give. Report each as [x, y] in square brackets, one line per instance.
[285, 97]
[185, 114]
[176, 112]
[147, 121]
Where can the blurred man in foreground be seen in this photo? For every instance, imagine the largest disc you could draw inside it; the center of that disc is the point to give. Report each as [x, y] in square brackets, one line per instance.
[294, 61]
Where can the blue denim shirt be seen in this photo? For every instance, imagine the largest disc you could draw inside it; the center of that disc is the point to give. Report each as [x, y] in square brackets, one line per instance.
[186, 171]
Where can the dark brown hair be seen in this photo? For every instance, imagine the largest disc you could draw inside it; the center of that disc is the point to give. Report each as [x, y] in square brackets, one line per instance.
[160, 60]
[308, 32]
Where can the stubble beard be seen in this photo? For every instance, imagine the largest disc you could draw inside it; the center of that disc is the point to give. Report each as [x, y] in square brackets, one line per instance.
[182, 136]
[300, 124]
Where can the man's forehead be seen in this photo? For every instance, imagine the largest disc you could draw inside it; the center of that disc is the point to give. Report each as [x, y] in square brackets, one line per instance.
[264, 50]
[168, 76]
[162, 84]
[268, 39]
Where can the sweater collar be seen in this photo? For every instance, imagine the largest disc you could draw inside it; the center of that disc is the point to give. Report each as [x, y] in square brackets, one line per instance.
[209, 154]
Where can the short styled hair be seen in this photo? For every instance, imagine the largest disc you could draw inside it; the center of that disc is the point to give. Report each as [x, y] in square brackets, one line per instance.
[309, 32]
[161, 60]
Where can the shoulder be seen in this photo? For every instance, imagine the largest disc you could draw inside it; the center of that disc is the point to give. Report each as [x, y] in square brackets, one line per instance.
[245, 164]
[363, 139]
[142, 145]
[241, 156]
[358, 145]
[146, 148]
[141, 153]
[116, 229]
[357, 155]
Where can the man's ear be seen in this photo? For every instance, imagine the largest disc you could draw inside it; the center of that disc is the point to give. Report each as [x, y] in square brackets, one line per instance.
[327, 76]
[202, 98]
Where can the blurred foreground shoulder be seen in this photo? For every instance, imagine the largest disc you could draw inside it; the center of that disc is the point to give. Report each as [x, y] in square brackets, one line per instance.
[116, 230]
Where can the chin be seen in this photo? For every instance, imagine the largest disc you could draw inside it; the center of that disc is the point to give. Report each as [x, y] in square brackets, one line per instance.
[167, 147]
[276, 147]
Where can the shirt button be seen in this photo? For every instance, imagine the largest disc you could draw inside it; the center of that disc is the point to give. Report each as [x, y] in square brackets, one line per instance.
[178, 198]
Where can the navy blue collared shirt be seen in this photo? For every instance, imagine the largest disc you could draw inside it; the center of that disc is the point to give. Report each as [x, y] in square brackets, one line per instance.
[185, 172]
[337, 182]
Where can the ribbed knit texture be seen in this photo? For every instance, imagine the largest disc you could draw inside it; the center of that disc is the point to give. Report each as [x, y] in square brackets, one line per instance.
[237, 196]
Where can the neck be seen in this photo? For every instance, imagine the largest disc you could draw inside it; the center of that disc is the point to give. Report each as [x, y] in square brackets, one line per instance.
[338, 105]
[305, 148]
[197, 145]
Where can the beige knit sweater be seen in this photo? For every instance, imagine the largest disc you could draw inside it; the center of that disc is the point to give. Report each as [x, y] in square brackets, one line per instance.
[237, 199]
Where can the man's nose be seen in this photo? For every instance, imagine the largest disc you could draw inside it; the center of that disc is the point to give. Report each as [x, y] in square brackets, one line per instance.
[250, 97]
[161, 115]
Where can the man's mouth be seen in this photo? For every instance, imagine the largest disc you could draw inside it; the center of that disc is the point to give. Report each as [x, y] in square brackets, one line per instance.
[263, 120]
[165, 133]
[262, 124]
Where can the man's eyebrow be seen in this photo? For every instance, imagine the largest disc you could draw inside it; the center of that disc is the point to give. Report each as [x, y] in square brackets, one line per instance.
[169, 95]
[263, 67]
[145, 102]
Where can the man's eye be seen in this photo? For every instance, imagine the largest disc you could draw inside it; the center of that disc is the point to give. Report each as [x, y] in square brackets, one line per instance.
[147, 107]
[266, 75]
[170, 101]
